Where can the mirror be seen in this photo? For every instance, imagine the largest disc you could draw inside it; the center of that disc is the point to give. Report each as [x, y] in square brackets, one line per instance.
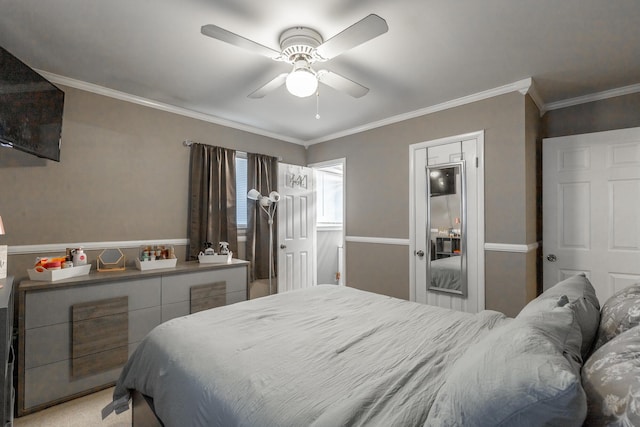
[446, 228]
[111, 260]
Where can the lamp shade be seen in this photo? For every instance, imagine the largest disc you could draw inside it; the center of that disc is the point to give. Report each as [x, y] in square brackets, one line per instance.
[302, 82]
[253, 194]
[274, 196]
[1, 226]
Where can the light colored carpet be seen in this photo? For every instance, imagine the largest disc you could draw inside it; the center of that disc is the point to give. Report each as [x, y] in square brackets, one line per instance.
[260, 288]
[82, 412]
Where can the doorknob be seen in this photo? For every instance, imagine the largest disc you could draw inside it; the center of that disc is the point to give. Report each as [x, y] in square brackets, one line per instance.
[283, 246]
[420, 253]
[552, 258]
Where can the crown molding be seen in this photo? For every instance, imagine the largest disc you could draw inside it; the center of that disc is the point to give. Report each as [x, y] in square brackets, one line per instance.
[522, 86]
[625, 90]
[122, 96]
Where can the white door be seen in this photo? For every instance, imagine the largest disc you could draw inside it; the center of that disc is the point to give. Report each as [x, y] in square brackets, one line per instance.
[296, 228]
[591, 209]
[470, 149]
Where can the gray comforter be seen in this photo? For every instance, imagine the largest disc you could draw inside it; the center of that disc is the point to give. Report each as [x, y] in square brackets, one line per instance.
[324, 356]
[445, 273]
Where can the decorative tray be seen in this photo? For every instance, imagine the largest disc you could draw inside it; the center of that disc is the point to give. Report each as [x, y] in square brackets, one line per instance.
[53, 275]
[215, 259]
[156, 264]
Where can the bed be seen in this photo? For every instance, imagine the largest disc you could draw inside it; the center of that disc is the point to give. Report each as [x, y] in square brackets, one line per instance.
[445, 273]
[337, 356]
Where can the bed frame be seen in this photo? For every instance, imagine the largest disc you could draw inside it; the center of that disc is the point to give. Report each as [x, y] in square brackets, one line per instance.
[143, 412]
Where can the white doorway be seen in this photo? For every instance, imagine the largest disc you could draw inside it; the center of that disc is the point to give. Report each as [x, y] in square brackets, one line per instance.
[591, 209]
[329, 179]
[470, 149]
[296, 228]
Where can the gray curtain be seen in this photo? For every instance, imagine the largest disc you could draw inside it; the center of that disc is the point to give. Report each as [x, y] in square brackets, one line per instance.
[262, 174]
[212, 198]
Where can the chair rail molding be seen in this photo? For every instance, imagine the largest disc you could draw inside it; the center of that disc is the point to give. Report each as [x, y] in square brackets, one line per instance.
[56, 247]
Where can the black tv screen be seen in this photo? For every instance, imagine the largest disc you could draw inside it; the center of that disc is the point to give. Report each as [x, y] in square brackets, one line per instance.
[442, 181]
[30, 109]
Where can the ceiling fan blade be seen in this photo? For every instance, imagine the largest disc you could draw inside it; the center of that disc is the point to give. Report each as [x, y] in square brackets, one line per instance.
[342, 84]
[232, 38]
[272, 85]
[362, 31]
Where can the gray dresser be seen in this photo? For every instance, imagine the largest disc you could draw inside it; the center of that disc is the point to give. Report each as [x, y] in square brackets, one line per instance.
[6, 352]
[75, 334]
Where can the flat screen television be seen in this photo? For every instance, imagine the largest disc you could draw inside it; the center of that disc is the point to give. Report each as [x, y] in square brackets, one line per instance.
[442, 181]
[30, 109]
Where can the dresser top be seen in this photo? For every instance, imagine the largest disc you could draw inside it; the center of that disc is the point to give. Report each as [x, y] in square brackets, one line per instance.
[95, 277]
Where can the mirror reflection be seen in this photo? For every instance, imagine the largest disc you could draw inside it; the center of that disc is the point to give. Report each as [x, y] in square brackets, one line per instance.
[446, 213]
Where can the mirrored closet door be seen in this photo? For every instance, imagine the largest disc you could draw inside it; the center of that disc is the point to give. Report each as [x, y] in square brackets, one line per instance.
[448, 223]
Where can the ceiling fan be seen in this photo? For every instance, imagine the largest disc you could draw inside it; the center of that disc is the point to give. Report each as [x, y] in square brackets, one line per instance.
[301, 47]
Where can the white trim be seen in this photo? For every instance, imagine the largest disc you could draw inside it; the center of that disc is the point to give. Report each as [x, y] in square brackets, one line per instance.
[508, 247]
[377, 240]
[482, 286]
[522, 86]
[101, 90]
[343, 162]
[625, 90]
[330, 227]
[519, 86]
[535, 96]
[61, 247]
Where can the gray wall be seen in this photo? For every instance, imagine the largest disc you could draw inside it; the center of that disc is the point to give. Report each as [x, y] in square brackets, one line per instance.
[378, 164]
[608, 114]
[122, 176]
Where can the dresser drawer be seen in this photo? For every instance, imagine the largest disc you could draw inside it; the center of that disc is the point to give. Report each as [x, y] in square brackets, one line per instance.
[52, 382]
[177, 288]
[50, 344]
[49, 307]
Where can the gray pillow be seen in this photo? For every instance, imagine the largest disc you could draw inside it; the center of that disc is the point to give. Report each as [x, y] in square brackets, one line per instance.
[525, 373]
[578, 294]
[611, 379]
[619, 313]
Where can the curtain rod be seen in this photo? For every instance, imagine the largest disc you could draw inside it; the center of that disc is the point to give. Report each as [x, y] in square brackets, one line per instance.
[189, 143]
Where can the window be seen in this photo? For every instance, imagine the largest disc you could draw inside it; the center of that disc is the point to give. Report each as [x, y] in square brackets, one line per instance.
[329, 196]
[241, 190]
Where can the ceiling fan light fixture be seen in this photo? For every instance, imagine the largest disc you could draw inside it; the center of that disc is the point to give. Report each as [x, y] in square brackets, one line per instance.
[302, 81]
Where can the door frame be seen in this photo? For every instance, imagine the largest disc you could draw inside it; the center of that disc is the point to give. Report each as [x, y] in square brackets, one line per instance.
[413, 149]
[343, 162]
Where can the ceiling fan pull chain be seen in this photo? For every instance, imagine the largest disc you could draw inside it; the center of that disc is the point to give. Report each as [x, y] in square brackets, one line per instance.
[318, 104]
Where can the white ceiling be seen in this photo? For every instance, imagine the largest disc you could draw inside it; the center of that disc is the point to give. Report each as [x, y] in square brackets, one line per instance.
[435, 51]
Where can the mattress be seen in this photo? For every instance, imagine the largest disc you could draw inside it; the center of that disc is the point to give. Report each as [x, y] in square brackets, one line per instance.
[322, 356]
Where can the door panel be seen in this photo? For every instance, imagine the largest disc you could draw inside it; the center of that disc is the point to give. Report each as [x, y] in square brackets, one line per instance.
[591, 209]
[296, 228]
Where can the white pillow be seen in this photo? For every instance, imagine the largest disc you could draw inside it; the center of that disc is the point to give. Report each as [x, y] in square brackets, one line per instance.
[525, 373]
[577, 293]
